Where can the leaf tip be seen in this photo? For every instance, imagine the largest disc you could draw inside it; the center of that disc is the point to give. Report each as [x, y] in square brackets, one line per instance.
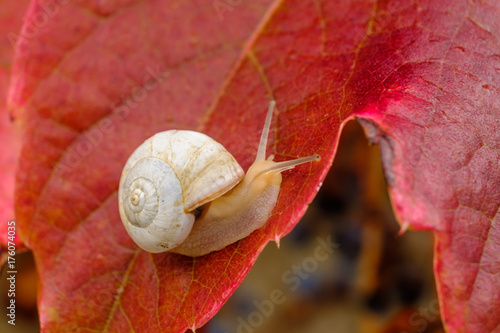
[404, 227]
[277, 240]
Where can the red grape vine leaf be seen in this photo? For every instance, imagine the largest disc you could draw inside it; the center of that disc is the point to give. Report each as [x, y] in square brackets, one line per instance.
[98, 77]
[12, 12]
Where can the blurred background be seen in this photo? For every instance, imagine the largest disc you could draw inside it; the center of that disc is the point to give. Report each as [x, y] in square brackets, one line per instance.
[374, 280]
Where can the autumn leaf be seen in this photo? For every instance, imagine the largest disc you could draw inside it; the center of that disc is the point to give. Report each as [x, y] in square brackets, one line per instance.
[99, 77]
[11, 14]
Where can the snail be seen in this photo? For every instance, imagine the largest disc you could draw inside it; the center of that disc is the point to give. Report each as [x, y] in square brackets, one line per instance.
[183, 192]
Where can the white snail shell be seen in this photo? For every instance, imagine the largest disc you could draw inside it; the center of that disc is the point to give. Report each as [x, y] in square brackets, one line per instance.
[166, 178]
[175, 172]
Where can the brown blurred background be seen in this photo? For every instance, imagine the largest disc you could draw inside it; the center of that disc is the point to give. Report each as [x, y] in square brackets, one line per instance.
[374, 281]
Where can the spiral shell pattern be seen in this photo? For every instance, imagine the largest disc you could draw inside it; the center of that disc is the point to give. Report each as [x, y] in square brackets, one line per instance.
[165, 179]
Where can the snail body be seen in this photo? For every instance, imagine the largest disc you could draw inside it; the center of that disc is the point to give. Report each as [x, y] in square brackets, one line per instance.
[183, 192]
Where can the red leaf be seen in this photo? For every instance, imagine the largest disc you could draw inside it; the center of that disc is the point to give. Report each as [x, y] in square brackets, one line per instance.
[421, 77]
[12, 12]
